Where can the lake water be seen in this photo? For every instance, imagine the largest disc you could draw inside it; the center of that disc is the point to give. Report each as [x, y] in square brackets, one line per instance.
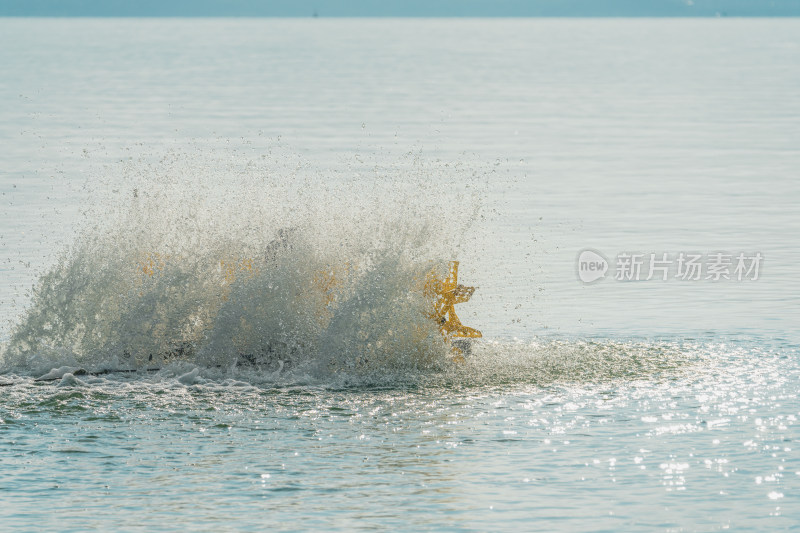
[173, 183]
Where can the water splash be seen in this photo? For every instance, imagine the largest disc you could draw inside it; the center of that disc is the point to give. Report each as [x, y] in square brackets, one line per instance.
[218, 257]
[207, 263]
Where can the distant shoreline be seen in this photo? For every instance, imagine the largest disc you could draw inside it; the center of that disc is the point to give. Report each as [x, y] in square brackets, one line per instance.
[396, 17]
[401, 8]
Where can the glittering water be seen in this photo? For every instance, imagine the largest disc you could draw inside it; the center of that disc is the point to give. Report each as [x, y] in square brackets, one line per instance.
[709, 444]
[382, 148]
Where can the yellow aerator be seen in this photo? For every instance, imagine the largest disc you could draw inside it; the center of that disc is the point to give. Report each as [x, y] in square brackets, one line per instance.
[445, 294]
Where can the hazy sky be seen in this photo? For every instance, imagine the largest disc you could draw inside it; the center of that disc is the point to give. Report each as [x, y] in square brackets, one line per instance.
[402, 8]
